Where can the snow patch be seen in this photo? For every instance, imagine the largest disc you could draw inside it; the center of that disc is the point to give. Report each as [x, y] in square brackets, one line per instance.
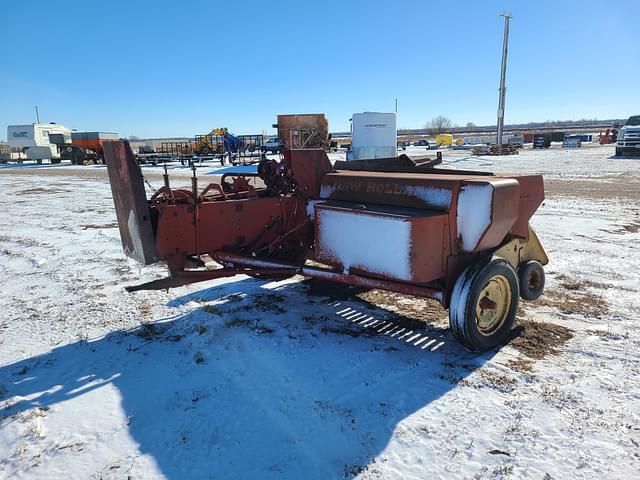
[376, 244]
[433, 197]
[134, 231]
[311, 208]
[474, 214]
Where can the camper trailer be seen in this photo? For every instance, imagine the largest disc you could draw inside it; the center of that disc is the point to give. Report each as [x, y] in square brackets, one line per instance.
[37, 141]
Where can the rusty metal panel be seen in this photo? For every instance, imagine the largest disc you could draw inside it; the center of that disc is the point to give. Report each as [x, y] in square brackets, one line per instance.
[129, 198]
[308, 167]
[531, 197]
[307, 130]
[412, 190]
[386, 242]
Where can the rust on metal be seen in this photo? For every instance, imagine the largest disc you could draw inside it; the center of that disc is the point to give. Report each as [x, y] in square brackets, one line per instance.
[274, 224]
[129, 198]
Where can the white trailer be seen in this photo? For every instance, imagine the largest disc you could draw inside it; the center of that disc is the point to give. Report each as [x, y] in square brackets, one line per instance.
[373, 135]
[32, 141]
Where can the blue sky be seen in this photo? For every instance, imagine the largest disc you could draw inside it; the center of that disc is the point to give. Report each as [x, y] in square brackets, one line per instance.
[167, 68]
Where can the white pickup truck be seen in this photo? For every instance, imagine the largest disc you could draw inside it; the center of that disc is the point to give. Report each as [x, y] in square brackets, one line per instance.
[629, 137]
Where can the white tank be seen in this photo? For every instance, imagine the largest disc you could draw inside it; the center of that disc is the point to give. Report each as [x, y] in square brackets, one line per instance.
[373, 135]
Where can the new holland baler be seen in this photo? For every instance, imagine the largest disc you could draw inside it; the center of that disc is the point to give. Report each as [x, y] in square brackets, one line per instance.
[460, 237]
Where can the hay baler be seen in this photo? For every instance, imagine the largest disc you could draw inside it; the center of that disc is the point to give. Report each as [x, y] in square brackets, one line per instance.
[460, 237]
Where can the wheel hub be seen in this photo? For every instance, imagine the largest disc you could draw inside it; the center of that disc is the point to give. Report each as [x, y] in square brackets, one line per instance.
[494, 303]
[535, 280]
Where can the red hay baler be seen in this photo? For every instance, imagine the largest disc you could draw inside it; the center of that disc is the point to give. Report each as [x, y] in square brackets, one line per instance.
[460, 237]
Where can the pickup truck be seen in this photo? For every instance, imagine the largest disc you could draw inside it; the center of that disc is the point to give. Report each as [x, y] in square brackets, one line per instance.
[272, 145]
[629, 137]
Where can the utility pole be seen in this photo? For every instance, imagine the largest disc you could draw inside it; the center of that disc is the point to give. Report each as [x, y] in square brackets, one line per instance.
[396, 105]
[503, 74]
[37, 115]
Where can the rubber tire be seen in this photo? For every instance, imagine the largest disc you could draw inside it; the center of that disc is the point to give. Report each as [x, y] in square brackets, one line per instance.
[524, 272]
[462, 311]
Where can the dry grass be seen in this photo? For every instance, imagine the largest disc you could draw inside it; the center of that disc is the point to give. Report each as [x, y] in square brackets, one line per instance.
[575, 300]
[497, 380]
[213, 310]
[236, 322]
[145, 307]
[269, 303]
[521, 365]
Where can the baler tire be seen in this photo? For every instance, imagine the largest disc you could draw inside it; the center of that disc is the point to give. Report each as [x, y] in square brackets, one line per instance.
[531, 277]
[481, 278]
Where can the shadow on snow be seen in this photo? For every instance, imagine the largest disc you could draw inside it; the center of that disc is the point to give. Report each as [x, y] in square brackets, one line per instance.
[283, 381]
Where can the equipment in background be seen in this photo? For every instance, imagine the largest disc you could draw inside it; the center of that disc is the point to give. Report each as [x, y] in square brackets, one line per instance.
[5, 152]
[608, 137]
[373, 135]
[239, 149]
[86, 147]
[444, 139]
[54, 142]
[32, 142]
[460, 237]
[572, 141]
[217, 142]
[542, 140]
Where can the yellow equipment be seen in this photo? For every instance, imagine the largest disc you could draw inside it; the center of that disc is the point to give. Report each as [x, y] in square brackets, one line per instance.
[444, 139]
[212, 142]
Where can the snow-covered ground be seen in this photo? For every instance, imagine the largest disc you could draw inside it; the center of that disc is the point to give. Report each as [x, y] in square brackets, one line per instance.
[242, 378]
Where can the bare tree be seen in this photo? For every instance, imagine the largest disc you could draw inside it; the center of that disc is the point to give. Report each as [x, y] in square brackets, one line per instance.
[439, 124]
[470, 125]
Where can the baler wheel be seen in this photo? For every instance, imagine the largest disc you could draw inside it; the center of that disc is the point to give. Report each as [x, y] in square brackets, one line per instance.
[531, 276]
[484, 304]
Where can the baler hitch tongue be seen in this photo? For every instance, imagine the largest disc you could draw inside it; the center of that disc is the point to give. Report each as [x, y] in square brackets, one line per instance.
[130, 200]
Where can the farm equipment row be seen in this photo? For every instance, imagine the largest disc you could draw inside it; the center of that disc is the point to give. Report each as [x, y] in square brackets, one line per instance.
[460, 237]
[301, 131]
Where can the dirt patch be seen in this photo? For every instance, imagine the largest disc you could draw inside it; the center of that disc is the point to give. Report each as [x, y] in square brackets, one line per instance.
[633, 227]
[332, 290]
[597, 188]
[41, 190]
[347, 330]
[414, 308]
[577, 285]
[538, 339]
[405, 310]
[99, 226]
[575, 301]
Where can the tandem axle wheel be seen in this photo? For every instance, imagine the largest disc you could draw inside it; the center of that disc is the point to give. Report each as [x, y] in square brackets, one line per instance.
[484, 301]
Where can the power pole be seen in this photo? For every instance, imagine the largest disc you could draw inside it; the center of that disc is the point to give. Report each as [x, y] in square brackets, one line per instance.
[37, 115]
[503, 74]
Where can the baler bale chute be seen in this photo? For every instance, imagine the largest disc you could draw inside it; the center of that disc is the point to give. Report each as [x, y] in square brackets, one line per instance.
[462, 238]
